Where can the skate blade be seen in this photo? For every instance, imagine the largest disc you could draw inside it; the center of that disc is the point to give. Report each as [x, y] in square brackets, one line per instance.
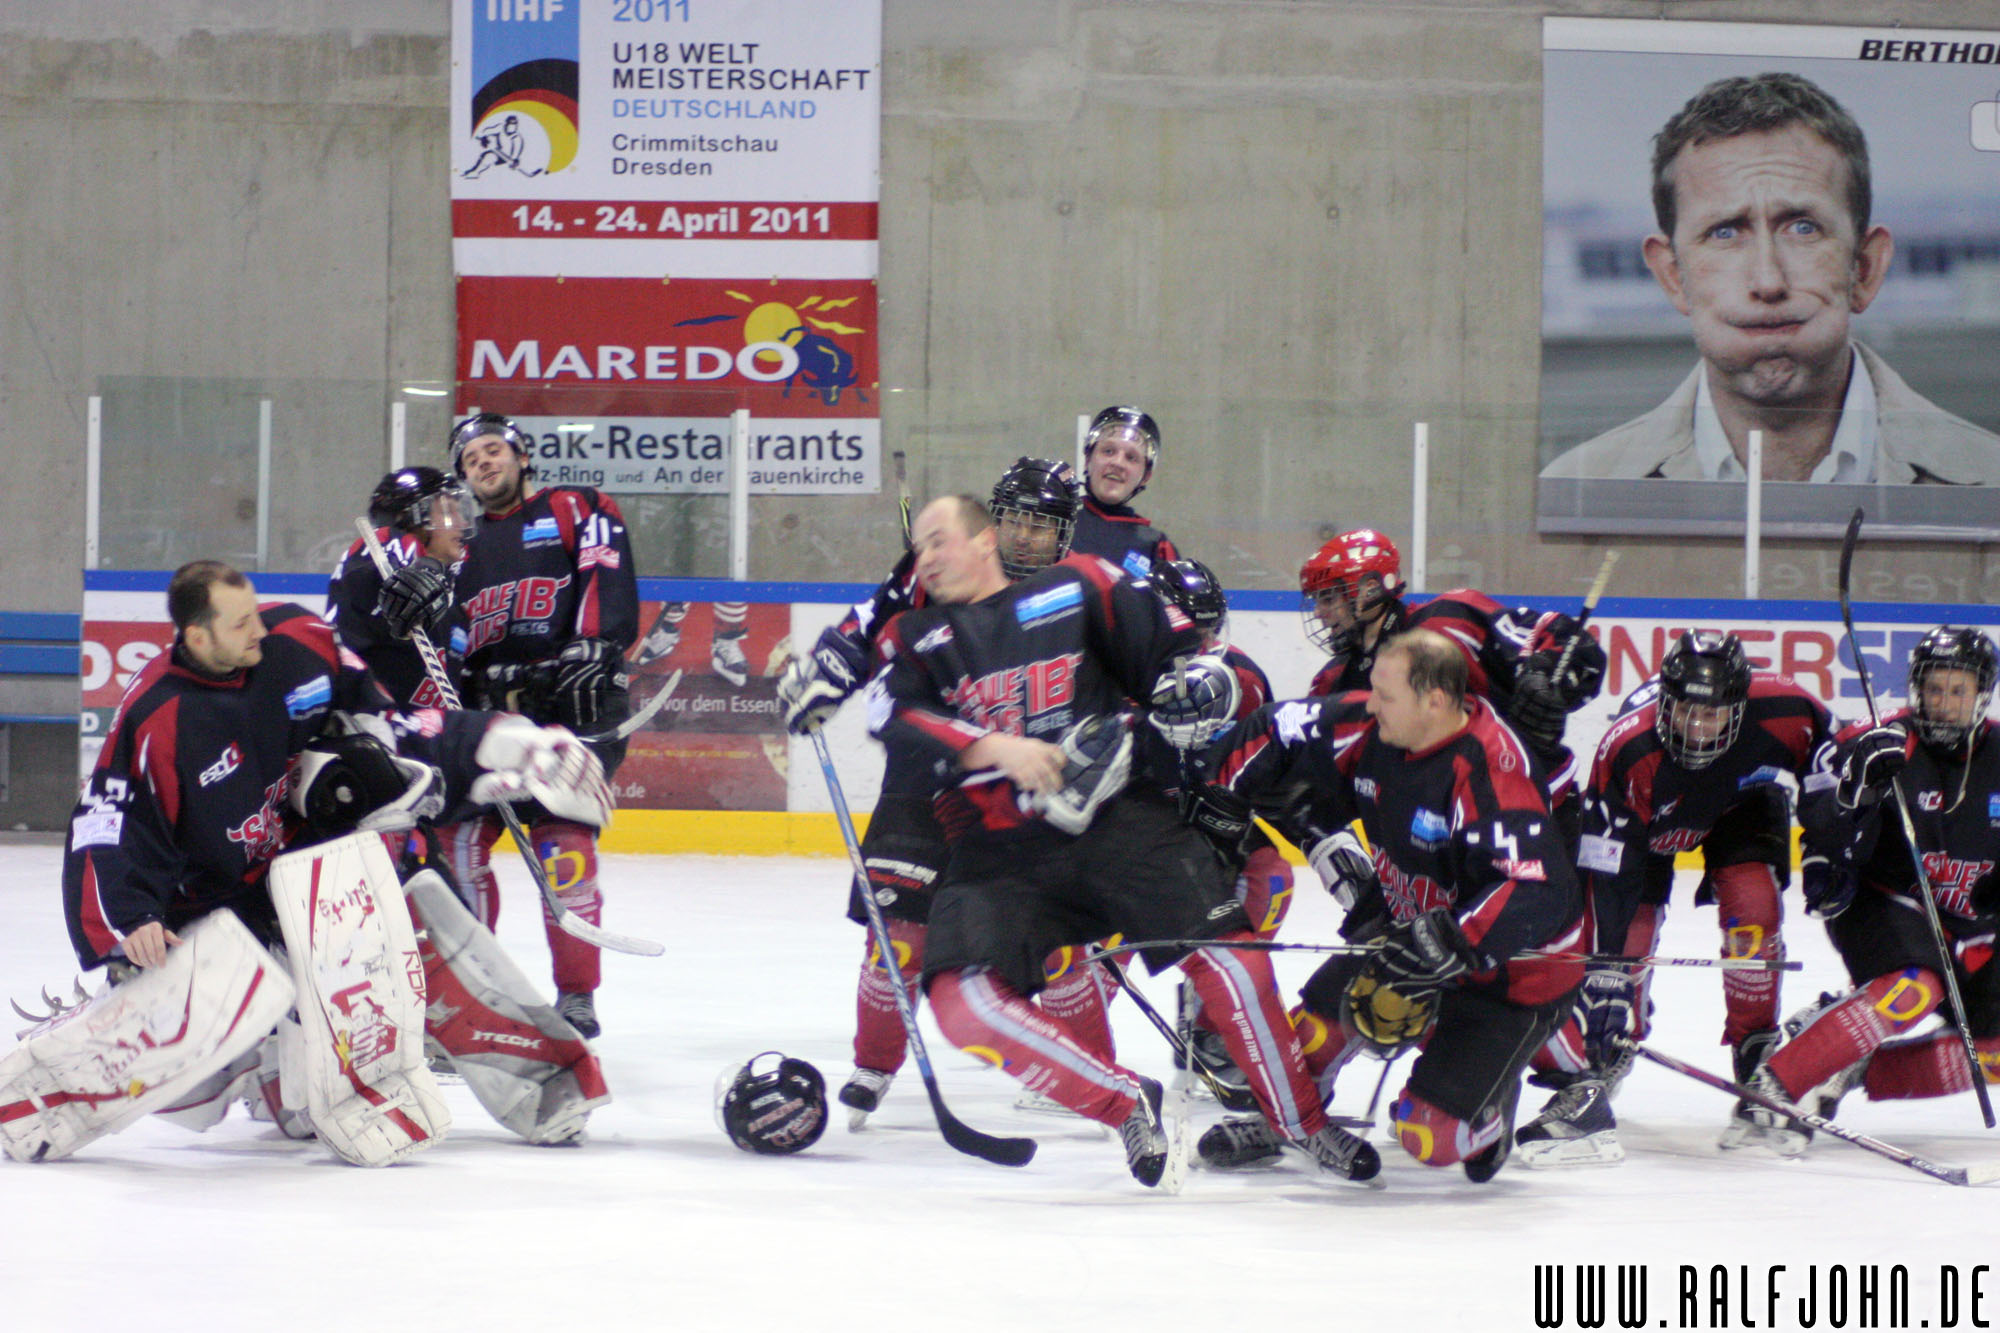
[1599, 1149]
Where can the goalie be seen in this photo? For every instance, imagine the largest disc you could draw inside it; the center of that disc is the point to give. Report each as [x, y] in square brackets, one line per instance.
[255, 733]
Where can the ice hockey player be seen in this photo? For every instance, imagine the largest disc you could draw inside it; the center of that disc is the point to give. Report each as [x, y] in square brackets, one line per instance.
[1468, 874]
[1020, 691]
[422, 518]
[904, 849]
[1696, 759]
[1860, 874]
[1120, 447]
[256, 733]
[551, 600]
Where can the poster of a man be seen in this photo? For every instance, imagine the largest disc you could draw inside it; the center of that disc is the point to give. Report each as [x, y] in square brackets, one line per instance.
[1769, 240]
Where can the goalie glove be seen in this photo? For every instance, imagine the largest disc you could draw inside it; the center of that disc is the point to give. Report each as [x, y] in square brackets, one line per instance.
[589, 684]
[1829, 889]
[1194, 701]
[348, 783]
[416, 596]
[1097, 763]
[811, 689]
[547, 765]
[1872, 761]
[1390, 1015]
[1428, 950]
[1343, 865]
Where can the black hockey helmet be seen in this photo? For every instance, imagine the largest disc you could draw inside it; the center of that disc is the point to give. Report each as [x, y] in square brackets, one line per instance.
[1130, 419]
[780, 1109]
[406, 500]
[1035, 504]
[1704, 669]
[479, 426]
[1193, 587]
[1948, 718]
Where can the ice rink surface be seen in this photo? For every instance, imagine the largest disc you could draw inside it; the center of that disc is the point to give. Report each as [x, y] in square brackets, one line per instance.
[658, 1223]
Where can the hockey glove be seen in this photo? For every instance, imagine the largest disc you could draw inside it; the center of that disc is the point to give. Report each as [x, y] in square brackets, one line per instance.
[1390, 1015]
[549, 765]
[1583, 675]
[345, 783]
[1194, 701]
[1097, 762]
[590, 684]
[1872, 761]
[1537, 710]
[416, 596]
[1428, 950]
[811, 688]
[1829, 889]
[514, 687]
[1606, 1006]
[1222, 816]
[1342, 865]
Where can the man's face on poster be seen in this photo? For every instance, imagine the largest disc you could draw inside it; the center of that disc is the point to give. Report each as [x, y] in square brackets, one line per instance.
[1766, 262]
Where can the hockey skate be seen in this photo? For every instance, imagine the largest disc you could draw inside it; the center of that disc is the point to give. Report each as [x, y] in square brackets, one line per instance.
[1040, 1103]
[1752, 1126]
[579, 1010]
[1150, 1151]
[1575, 1128]
[1485, 1164]
[726, 657]
[1211, 1050]
[1823, 1099]
[1237, 1142]
[863, 1094]
[664, 637]
[1342, 1154]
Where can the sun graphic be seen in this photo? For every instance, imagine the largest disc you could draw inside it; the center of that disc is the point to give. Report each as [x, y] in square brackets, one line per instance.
[779, 322]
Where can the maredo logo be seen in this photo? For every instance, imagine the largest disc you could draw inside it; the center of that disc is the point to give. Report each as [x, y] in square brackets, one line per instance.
[766, 362]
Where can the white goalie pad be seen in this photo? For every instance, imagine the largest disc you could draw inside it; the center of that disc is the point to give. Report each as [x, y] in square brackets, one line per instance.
[360, 1000]
[529, 1068]
[145, 1045]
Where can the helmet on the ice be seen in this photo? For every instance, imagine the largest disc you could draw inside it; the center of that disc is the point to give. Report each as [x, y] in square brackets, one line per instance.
[778, 1109]
[1034, 505]
[1704, 683]
[1948, 706]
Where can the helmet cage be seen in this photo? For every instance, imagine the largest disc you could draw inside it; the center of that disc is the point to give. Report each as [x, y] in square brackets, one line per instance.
[1034, 507]
[1952, 649]
[1704, 686]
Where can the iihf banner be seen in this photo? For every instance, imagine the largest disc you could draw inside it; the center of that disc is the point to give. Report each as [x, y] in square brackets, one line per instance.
[1825, 276]
[663, 211]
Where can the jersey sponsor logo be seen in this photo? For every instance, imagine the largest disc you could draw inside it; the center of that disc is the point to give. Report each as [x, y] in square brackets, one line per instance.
[1952, 880]
[263, 832]
[1137, 565]
[1409, 896]
[310, 697]
[1599, 853]
[541, 532]
[1930, 800]
[459, 640]
[224, 765]
[1044, 607]
[1993, 808]
[1758, 777]
[1294, 721]
[523, 601]
[1005, 700]
[96, 828]
[1520, 869]
[1429, 827]
[592, 557]
[1366, 789]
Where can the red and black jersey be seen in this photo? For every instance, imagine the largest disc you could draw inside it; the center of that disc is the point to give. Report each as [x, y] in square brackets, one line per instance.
[187, 804]
[1640, 804]
[1350, 671]
[1123, 536]
[351, 599]
[556, 568]
[1954, 804]
[1079, 639]
[1463, 825]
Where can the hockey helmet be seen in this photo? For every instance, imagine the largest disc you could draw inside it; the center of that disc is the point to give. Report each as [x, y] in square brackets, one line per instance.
[478, 427]
[1704, 682]
[1193, 587]
[412, 499]
[778, 1109]
[1125, 420]
[1946, 711]
[1354, 572]
[1034, 504]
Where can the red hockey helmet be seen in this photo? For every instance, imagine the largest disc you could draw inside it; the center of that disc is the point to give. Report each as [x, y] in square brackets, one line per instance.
[1343, 581]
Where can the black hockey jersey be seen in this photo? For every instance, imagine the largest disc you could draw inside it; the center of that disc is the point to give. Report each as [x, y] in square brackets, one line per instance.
[1122, 535]
[1463, 825]
[351, 598]
[187, 804]
[556, 568]
[1076, 640]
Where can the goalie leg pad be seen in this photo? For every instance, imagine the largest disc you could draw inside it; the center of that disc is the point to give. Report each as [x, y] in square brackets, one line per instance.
[144, 1044]
[528, 1067]
[360, 1000]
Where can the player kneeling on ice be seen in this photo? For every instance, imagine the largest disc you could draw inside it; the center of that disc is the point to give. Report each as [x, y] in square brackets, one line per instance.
[1018, 690]
[254, 733]
[1468, 872]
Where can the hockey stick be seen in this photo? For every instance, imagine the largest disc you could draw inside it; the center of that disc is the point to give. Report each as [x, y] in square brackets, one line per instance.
[1983, 1174]
[1590, 600]
[1593, 959]
[567, 921]
[963, 1137]
[638, 719]
[1230, 1099]
[1924, 892]
[903, 495]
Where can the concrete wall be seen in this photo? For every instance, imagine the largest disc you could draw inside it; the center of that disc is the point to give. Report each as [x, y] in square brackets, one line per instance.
[1288, 228]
